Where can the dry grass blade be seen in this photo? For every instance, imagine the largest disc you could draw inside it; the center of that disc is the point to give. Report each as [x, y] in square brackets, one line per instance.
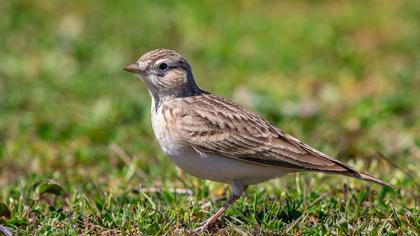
[126, 159]
[182, 191]
[405, 171]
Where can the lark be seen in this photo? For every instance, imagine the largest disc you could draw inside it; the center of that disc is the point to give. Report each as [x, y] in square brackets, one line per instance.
[213, 138]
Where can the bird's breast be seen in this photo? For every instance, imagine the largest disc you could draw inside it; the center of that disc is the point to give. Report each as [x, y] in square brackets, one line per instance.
[163, 126]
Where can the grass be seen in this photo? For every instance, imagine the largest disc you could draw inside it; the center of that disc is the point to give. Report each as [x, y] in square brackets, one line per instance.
[78, 156]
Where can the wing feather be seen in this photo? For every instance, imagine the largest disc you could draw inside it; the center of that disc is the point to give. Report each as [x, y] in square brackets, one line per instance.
[215, 125]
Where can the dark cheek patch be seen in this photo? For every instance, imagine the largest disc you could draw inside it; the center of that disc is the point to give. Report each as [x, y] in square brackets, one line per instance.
[174, 78]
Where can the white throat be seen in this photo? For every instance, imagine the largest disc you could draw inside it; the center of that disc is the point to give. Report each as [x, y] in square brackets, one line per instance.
[153, 93]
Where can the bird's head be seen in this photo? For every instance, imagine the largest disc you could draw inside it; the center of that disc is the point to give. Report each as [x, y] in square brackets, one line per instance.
[165, 73]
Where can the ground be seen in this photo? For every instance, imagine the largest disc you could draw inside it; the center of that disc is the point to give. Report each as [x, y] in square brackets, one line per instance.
[78, 156]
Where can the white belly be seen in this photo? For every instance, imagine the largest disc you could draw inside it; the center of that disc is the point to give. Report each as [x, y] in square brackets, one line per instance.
[226, 170]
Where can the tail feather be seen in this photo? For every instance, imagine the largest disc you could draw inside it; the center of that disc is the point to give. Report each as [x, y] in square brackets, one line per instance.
[369, 178]
[349, 171]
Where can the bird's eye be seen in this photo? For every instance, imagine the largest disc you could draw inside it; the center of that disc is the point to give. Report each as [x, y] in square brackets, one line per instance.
[163, 66]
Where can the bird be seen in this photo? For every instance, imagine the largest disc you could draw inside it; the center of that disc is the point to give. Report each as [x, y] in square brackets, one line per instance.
[213, 138]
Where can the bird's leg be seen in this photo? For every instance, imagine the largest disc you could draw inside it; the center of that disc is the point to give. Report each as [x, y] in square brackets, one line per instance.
[237, 192]
[219, 213]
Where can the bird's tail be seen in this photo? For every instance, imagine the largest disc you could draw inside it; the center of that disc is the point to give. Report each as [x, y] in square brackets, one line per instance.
[369, 178]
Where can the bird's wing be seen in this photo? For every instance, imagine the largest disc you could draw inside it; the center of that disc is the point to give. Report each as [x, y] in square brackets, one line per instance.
[212, 124]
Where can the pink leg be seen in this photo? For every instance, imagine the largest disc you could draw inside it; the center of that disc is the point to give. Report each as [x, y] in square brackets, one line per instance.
[219, 213]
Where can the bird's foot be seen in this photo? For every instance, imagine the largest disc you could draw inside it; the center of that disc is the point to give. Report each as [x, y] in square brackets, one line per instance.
[202, 228]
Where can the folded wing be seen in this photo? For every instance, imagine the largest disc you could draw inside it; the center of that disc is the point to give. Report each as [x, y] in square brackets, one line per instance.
[211, 124]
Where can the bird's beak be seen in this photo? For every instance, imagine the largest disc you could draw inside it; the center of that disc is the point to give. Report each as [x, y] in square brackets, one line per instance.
[133, 68]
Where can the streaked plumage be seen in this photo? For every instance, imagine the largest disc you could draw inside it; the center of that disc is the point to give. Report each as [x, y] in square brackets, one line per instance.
[213, 138]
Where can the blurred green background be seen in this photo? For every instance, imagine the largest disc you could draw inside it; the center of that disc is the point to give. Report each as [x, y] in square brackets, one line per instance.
[342, 76]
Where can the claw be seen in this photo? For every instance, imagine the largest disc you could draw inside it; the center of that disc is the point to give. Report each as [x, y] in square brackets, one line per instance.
[202, 228]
